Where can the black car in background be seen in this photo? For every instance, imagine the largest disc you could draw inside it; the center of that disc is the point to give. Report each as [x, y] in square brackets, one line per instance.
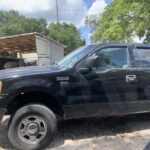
[106, 79]
[7, 62]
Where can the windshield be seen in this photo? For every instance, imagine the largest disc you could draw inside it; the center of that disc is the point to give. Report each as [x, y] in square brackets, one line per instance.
[75, 56]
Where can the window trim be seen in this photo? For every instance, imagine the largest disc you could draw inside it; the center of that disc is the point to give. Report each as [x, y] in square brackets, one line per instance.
[128, 57]
[133, 58]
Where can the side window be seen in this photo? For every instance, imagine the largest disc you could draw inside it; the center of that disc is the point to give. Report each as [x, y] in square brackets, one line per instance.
[141, 57]
[108, 58]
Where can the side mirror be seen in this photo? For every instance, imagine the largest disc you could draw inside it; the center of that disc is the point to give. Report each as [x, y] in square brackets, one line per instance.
[91, 61]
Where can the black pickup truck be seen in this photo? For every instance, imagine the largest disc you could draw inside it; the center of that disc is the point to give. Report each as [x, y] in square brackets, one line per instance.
[106, 79]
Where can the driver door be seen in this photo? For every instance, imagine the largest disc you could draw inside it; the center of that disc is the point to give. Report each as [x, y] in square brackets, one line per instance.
[109, 88]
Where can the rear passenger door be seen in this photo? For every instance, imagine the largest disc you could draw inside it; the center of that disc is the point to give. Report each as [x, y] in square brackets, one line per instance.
[141, 61]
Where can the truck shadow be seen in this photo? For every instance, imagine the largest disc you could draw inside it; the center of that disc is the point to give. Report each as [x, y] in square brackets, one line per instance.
[89, 128]
[97, 127]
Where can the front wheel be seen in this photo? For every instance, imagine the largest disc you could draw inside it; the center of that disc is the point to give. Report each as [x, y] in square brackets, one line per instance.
[32, 127]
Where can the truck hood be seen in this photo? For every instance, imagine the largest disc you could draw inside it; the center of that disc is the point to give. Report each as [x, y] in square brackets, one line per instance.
[25, 71]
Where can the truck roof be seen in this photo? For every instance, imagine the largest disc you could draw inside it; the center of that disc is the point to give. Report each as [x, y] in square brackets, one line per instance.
[122, 44]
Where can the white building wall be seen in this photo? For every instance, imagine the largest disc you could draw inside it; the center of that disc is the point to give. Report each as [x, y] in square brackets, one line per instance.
[56, 52]
[42, 51]
[29, 57]
[49, 52]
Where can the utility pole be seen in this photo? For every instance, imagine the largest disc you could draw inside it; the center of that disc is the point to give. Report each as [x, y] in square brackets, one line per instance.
[57, 15]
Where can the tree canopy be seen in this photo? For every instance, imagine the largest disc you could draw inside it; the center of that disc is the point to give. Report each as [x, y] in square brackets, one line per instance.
[122, 20]
[66, 34]
[12, 23]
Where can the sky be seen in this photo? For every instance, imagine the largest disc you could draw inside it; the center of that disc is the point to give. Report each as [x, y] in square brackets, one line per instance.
[70, 11]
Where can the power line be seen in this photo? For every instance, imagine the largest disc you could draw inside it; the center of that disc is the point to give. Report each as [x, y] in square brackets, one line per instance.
[77, 10]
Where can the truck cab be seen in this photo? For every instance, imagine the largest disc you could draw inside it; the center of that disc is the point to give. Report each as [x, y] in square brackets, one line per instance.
[105, 79]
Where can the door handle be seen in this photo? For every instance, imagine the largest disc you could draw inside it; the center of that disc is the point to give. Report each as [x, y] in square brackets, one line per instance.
[130, 78]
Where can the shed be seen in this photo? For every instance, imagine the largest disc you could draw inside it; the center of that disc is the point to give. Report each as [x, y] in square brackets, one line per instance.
[34, 47]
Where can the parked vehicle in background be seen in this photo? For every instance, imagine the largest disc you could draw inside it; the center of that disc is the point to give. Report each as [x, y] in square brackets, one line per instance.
[10, 60]
[106, 79]
[6, 62]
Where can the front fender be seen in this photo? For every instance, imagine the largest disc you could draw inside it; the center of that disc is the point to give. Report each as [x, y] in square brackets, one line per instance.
[19, 83]
[13, 88]
[7, 98]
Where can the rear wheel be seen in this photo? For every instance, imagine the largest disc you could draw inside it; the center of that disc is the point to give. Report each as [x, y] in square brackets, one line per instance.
[32, 127]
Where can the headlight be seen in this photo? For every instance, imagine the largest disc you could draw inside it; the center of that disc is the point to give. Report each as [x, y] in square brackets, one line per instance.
[1, 84]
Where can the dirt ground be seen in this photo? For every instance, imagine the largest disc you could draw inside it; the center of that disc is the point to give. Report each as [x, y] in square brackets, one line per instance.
[123, 133]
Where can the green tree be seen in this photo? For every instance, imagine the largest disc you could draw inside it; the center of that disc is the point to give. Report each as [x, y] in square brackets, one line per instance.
[12, 23]
[122, 20]
[66, 34]
[92, 22]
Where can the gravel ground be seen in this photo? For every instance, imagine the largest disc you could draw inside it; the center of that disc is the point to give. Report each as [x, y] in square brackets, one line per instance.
[124, 133]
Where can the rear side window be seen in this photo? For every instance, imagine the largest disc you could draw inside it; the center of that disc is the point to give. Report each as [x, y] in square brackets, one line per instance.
[141, 57]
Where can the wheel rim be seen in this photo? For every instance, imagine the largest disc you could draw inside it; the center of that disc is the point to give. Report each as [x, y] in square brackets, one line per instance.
[32, 129]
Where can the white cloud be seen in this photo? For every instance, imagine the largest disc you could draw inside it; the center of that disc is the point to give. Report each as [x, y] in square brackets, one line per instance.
[136, 39]
[71, 11]
[89, 38]
[97, 7]
[27, 6]
[47, 9]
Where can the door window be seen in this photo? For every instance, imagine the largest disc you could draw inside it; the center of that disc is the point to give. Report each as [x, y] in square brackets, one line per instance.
[109, 58]
[141, 57]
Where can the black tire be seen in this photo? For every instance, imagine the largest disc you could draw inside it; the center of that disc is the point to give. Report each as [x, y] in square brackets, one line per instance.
[14, 128]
